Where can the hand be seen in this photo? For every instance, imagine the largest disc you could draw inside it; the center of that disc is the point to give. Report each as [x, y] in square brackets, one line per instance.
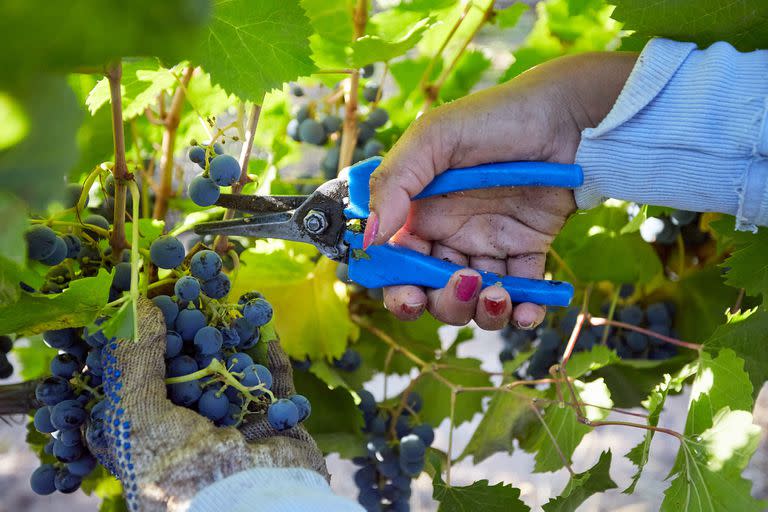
[164, 454]
[537, 116]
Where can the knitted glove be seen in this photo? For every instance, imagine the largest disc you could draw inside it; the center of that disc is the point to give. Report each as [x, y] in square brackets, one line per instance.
[164, 454]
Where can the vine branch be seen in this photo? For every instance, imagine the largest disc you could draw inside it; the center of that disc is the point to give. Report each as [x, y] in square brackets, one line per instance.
[349, 127]
[117, 239]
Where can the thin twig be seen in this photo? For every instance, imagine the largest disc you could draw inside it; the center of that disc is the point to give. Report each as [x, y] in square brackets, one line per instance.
[120, 170]
[647, 332]
[349, 127]
[450, 439]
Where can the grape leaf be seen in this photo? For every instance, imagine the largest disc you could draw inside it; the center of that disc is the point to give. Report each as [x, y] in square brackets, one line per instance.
[149, 231]
[746, 267]
[708, 477]
[253, 47]
[563, 425]
[346, 418]
[335, 377]
[372, 48]
[632, 380]
[76, 306]
[655, 404]
[31, 173]
[467, 73]
[508, 18]
[12, 244]
[333, 30]
[496, 431]
[120, 324]
[34, 358]
[701, 298]
[747, 336]
[583, 362]
[290, 278]
[141, 82]
[465, 372]
[583, 485]
[478, 496]
[743, 23]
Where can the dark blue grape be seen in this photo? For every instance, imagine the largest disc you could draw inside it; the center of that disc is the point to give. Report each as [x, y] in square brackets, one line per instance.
[402, 426]
[173, 344]
[98, 221]
[370, 499]
[296, 90]
[349, 361]
[283, 414]
[301, 365]
[549, 339]
[366, 477]
[412, 448]
[365, 132]
[367, 402]
[208, 340]
[181, 365]
[425, 432]
[330, 163]
[204, 360]
[65, 365]
[83, 466]
[169, 308]
[42, 420]
[293, 129]
[197, 155]
[256, 374]
[53, 390]
[312, 132]
[166, 252]
[68, 414]
[636, 341]
[6, 344]
[658, 314]
[246, 331]
[93, 361]
[332, 123]
[373, 148]
[682, 217]
[586, 340]
[659, 230]
[188, 322]
[302, 113]
[43, 480]
[41, 242]
[258, 312]
[414, 402]
[212, 405]
[371, 91]
[230, 337]
[631, 315]
[122, 279]
[303, 405]
[48, 448]
[217, 287]
[203, 191]
[58, 255]
[378, 118]
[66, 482]
[70, 437]
[238, 361]
[224, 170]
[64, 453]
[187, 288]
[205, 265]
[185, 393]
[6, 368]
[60, 338]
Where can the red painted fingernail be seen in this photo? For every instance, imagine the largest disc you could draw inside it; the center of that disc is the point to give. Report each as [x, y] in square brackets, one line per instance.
[494, 307]
[412, 309]
[526, 327]
[371, 230]
[466, 288]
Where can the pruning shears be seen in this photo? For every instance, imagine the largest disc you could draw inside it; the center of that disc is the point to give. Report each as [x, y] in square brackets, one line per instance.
[332, 219]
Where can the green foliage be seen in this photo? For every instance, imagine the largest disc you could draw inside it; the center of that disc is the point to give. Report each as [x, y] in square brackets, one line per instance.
[583, 485]
[493, 498]
[743, 23]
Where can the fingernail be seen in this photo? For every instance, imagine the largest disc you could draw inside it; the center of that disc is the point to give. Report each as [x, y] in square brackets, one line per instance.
[371, 230]
[526, 327]
[412, 309]
[466, 288]
[494, 307]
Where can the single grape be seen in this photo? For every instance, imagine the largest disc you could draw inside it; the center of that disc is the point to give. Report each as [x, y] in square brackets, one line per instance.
[312, 132]
[370, 499]
[367, 402]
[43, 480]
[402, 426]
[631, 315]
[6, 344]
[302, 365]
[185, 393]
[303, 405]
[217, 287]
[166, 252]
[58, 255]
[682, 217]
[93, 361]
[66, 482]
[83, 466]
[97, 220]
[188, 322]
[330, 163]
[389, 466]
[256, 374]
[230, 337]
[173, 344]
[302, 113]
[60, 338]
[659, 230]
[378, 117]
[367, 71]
[70, 437]
[549, 339]
[181, 365]
[204, 360]
[425, 432]
[238, 361]
[122, 279]
[53, 390]
[293, 129]
[64, 453]
[658, 314]
[65, 365]
[366, 477]
[232, 416]
[187, 288]
[224, 170]
[42, 420]
[6, 368]
[197, 155]
[203, 191]
[68, 414]
[283, 414]
[208, 340]
[246, 332]
[41, 242]
[636, 341]
[373, 148]
[258, 312]
[74, 245]
[296, 90]
[332, 123]
[169, 308]
[365, 132]
[72, 195]
[205, 265]
[213, 406]
[350, 360]
[371, 91]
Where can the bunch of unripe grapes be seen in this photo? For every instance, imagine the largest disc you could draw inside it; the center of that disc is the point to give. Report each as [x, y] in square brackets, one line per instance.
[219, 170]
[549, 341]
[395, 454]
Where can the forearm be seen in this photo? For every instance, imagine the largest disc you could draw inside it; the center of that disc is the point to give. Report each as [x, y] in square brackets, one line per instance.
[688, 131]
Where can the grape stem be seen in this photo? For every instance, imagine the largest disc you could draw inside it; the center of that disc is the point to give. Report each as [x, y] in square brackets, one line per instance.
[117, 241]
[349, 127]
[135, 256]
[218, 369]
[674, 341]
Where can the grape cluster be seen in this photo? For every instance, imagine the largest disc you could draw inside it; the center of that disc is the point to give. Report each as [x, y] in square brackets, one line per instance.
[664, 229]
[205, 333]
[6, 368]
[395, 454]
[549, 342]
[219, 170]
[69, 396]
[310, 127]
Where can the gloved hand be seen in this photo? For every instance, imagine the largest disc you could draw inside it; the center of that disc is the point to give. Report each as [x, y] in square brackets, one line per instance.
[164, 454]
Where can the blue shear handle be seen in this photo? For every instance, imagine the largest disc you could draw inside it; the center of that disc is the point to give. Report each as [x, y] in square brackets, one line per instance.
[388, 265]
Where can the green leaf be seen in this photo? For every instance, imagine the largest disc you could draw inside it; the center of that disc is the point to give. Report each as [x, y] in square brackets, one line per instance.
[120, 324]
[142, 81]
[346, 418]
[15, 123]
[467, 73]
[632, 380]
[149, 231]
[743, 23]
[701, 298]
[371, 48]
[508, 18]
[348, 446]
[583, 485]
[333, 30]
[582, 362]
[478, 496]
[747, 266]
[496, 431]
[34, 168]
[76, 306]
[253, 47]
[592, 245]
[655, 405]
[13, 247]
[747, 336]
[465, 372]
[709, 477]
[34, 358]
[290, 278]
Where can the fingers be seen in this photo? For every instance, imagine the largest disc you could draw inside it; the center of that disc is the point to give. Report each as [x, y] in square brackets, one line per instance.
[407, 302]
[456, 303]
[527, 315]
[494, 306]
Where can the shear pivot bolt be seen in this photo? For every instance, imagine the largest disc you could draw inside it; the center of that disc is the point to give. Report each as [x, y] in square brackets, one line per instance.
[315, 222]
